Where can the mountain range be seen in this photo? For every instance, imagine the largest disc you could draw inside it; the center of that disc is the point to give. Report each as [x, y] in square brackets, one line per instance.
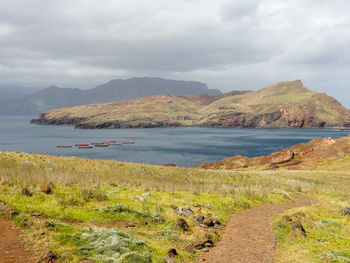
[285, 104]
[115, 90]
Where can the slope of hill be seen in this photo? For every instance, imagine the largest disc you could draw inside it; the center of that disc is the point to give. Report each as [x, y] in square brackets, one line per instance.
[320, 154]
[115, 90]
[285, 104]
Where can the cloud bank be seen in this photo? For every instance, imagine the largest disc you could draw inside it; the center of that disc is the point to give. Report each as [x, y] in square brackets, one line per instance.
[234, 44]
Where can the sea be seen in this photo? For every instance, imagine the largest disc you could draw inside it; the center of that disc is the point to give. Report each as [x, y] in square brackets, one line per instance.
[180, 146]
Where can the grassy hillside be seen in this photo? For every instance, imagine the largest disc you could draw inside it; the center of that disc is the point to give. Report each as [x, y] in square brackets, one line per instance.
[69, 205]
[285, 104]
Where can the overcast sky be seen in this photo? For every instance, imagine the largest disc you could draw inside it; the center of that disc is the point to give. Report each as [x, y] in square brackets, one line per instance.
[236, 44]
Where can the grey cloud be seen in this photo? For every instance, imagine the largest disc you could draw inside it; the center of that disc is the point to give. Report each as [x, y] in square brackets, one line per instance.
[228, 44]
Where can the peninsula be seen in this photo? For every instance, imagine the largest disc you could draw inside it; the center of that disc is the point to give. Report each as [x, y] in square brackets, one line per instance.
[282, 105]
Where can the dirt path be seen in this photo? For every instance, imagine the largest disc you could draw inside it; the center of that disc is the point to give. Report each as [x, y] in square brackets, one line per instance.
[11, 247]
[249, 236]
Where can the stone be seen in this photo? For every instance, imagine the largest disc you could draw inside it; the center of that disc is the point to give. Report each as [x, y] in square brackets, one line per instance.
[203, 244]
[199, 219]
[36, 214]
[185, 211]
[282, 157]
[345, 211]
[217, 222]
[172, 252]
[209, 243]
[182, 224]
[146, 194]
[208, 222]
[130, 224]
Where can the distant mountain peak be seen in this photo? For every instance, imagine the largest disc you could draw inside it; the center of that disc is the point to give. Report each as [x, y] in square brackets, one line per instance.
[54, 97]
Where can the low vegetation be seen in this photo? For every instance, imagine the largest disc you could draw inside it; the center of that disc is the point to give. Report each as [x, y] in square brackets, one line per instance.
[72, 206]
[326, 237]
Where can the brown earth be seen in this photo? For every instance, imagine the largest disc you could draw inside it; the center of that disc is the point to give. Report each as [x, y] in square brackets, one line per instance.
[319, 154]
[249, 236]
[12, 248]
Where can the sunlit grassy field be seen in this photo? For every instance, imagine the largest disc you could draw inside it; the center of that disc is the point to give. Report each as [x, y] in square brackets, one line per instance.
[71, 205]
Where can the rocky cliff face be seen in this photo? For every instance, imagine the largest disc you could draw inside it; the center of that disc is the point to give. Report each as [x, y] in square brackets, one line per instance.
[285, 104]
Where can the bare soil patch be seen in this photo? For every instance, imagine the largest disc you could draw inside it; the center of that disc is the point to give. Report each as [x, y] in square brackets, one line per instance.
[12, 248]
[249, 236]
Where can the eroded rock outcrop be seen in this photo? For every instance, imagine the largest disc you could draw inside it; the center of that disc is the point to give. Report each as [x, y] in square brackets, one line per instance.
[310, 155]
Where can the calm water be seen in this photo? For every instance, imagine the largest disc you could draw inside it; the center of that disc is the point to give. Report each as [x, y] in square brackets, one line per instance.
[182, 146]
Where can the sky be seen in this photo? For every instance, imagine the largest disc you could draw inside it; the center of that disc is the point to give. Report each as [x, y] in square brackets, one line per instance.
[230, 45]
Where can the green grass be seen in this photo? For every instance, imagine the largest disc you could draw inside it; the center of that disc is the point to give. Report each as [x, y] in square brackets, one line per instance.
[72, 194]
[327, 232]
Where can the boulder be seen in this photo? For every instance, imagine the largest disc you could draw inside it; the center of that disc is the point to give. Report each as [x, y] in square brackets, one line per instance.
[199, 219]
[182, 224]
[208, 222]
[203, 244]
[345, 211]
[130, 224]
[172, 252]
[282, 157]
[185, 211]
[36, 214]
